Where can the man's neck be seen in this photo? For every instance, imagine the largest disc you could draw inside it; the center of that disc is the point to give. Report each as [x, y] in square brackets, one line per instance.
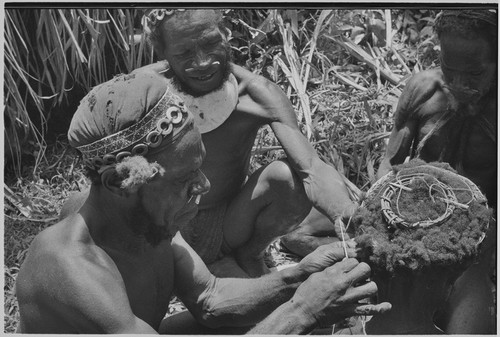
[108, 218]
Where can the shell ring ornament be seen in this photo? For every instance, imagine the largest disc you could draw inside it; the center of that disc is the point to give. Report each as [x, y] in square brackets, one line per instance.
[155, 16]
[138, 139]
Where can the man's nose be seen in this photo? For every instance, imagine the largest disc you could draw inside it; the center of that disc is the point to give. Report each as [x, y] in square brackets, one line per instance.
[202, 60]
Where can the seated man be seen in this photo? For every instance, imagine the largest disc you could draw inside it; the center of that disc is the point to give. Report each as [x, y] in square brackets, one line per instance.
[240, 215]
[449, 114]
[113, 266]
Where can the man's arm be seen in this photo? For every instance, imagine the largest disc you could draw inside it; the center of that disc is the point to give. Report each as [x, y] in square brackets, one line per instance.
[323, 183]
[324, 299]
[243, 302]
[420, 89]
[400, 140]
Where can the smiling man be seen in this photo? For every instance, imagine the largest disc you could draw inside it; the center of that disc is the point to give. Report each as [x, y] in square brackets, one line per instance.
[242, 214]
[449, 114]
[113, 266]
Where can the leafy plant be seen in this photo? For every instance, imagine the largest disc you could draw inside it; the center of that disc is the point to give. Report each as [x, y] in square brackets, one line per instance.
[50, 53]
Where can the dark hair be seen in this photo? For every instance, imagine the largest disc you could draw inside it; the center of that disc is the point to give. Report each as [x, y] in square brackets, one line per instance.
[154, 34]
[469, 24]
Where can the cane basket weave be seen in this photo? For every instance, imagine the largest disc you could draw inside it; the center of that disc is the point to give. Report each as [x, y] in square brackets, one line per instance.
[391, 183]
[446, 186]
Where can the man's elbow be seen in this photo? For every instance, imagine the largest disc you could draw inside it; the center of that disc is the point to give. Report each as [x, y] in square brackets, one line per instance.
[205, 311]
[210, 318]
[217, 312]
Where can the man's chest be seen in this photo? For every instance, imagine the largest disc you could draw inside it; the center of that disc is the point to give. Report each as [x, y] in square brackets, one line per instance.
[228, 147]
[471, 141]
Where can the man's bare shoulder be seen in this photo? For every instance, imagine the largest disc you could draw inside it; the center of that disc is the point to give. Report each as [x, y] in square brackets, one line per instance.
[61, 249]
[69, 234]
[260, 97]
[159, 67]
[424, 84]
[66, 277]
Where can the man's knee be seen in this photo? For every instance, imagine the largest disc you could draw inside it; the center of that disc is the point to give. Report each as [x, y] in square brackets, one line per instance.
[280, 172]
[285, 186]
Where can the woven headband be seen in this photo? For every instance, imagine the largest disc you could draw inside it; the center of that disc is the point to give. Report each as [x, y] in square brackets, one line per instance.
[155, 128]
[488, 16]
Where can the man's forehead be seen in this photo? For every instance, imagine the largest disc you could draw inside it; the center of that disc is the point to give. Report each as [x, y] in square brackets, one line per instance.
[465, 50]
[192, 20]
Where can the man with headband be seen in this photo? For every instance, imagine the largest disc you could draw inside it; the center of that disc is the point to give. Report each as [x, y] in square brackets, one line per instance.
[449, 114]
[113, 266]
[241, 215]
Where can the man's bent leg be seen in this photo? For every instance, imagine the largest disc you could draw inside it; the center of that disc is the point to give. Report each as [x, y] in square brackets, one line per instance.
[272, 203]
[227, 267]
[316, 230]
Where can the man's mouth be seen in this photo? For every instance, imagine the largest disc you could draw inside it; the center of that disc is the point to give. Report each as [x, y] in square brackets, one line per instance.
[204, 78]
[209, 72]
[196, 200]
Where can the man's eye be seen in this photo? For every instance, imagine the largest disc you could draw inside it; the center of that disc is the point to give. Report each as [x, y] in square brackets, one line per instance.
[182, 54]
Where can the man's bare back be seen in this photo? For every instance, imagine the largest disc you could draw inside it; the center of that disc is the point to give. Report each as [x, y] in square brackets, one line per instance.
[71, 259]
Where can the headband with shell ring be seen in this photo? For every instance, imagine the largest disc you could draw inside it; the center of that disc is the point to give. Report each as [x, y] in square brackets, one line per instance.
[156, 16]
[149, 132]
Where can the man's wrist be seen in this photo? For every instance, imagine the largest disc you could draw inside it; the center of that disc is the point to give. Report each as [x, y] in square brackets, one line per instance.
[303, 320]
[287, 319]
[295, 274]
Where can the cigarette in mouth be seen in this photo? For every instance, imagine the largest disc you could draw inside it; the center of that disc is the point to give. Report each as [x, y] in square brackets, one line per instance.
[197, 200]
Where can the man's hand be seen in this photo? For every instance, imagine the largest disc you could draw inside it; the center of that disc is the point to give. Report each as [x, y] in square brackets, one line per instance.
[333, 294]
[326, 256]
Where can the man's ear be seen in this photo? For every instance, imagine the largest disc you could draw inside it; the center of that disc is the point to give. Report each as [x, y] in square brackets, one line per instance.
[111, 181]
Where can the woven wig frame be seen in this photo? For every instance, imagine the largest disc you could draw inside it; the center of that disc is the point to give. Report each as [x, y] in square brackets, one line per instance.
[394, 182]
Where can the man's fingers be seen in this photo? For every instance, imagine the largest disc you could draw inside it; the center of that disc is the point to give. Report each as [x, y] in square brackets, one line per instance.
[342, 267]
[355, 294]
[349, 210]
[371, 309]
[335, 250]
[350, 243]
[360, 273]
[340, 229]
